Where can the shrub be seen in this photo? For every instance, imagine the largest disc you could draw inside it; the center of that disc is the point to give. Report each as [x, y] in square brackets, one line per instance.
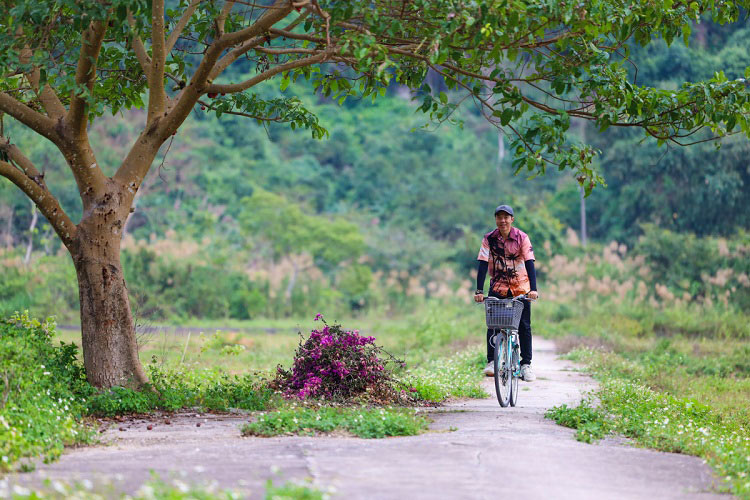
[39, 410]
[338, 364]
[171, 389]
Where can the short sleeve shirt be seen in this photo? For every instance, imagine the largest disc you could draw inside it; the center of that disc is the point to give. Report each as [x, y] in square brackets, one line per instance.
[506, 258]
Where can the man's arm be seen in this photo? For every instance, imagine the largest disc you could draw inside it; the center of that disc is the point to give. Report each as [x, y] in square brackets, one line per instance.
[531, 271]
[483, 261]
[481, 274]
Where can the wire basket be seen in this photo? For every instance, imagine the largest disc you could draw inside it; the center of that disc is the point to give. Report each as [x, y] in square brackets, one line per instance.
[503, 313]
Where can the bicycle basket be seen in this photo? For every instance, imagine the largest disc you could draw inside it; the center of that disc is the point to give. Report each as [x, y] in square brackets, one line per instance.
[503, 313]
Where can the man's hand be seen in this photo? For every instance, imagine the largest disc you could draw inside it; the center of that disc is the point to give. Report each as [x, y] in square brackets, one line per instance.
[533, 295]
[479, 297]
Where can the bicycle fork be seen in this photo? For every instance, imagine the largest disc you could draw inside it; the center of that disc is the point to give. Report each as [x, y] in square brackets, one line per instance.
[512, 346]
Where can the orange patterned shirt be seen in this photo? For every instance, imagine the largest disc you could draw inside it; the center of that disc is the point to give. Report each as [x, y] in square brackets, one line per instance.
[506, 258]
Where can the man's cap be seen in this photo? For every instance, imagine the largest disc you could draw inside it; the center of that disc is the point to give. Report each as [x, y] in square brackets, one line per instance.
[504, 208]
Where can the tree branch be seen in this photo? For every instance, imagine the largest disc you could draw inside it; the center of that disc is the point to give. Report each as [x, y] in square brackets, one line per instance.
[296, 36]
[278, 11]
[222, 19]
[157, 96]
[180, 26]
[85, 76]
[139, 48]
[297, 63]
[34, 120]
[247, 45]
[136, 164]
[15, 155]
[46, 96]
[44, 200]
[235, 54]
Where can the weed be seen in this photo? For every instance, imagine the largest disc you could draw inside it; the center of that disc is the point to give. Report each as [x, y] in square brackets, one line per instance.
[39, 410]
[360, 421]
[457, 376]
[292, 491]
[175, 388]
[589, 422]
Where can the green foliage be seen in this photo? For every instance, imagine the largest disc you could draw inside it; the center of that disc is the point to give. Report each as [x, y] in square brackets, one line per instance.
[168, 288]
[47, 289]
[628, 406]
[290, 231]
[590, 423]
[153, 489]
[360, 421]
[171, 389]
[458, 376]
[292, 491]
[40, 405]
[699, 267]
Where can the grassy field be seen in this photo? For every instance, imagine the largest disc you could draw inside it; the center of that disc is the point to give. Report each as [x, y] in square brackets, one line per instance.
[437, 331]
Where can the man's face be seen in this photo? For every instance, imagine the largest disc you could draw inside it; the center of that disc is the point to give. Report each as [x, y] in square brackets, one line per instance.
[503, 220]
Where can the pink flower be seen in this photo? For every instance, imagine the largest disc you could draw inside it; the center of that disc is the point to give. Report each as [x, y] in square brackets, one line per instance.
[318, 316]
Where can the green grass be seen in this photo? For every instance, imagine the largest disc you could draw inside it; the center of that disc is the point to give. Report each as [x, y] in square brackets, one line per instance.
[664, 422]
[671, 379]
[156, 489]
[434, 331]
[359, 421]
[293, 491]
[458, 376]
[440, 344]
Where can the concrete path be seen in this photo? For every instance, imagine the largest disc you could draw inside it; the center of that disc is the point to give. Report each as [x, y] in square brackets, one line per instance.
[494, 452]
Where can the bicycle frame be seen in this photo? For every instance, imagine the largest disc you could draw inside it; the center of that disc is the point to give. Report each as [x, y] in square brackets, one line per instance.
[513, 344]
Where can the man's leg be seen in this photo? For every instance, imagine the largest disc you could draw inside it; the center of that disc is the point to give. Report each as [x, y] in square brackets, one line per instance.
[524, 334]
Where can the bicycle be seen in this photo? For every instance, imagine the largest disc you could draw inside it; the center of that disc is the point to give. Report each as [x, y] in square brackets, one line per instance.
[503, 317]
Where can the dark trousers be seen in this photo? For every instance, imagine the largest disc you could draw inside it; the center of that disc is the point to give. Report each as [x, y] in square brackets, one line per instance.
[524, 334]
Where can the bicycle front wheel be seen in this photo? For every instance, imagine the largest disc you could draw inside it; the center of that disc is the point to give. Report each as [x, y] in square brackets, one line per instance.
[515, 370]
[503, 369]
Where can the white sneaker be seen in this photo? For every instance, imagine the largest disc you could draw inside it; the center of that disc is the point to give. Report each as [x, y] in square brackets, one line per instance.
[489, 370]
[527, 374]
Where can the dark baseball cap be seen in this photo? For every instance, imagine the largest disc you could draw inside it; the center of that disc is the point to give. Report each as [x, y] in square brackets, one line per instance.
[504, 208]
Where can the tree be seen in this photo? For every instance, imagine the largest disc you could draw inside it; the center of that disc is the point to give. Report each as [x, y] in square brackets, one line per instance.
[290, 231]
[529, 65]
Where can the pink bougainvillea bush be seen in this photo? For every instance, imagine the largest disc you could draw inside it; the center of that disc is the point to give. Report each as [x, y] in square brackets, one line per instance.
[339, 365]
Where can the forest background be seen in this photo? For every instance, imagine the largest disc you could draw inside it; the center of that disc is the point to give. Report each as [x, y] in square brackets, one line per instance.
[388, 211]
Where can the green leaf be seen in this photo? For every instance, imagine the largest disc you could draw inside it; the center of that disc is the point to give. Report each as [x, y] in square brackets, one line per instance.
[506, 116]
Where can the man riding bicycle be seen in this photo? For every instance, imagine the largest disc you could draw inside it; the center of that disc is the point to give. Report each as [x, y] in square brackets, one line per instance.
[509, 256]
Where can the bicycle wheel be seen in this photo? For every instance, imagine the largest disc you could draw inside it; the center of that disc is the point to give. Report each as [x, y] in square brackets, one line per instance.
[502, 369]
[515, 373]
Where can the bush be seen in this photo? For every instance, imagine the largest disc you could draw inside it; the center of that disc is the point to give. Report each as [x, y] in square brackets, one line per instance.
[338, 364]
[171, 389]
[177, 288]
[39, 405]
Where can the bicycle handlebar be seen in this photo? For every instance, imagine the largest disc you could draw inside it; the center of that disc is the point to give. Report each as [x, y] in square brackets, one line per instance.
[517, 298]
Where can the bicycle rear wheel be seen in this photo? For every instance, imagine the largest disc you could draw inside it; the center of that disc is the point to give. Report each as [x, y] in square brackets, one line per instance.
[503, 369]
[515, 371]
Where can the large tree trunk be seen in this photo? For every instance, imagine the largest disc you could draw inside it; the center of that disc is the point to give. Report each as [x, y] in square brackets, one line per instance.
[108, 334]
